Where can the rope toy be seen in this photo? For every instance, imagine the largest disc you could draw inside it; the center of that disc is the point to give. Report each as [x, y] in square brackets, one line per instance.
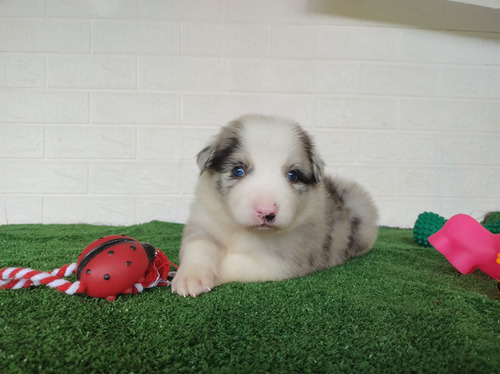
[111, 265]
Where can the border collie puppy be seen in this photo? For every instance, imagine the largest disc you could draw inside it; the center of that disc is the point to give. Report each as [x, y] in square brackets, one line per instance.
[264, 211]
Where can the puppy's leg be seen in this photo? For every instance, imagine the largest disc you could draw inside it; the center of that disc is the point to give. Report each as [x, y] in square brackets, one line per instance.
[241, 267]
[197, 272]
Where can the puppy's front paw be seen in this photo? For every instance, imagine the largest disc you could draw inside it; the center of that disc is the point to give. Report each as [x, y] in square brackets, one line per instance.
[193, 280]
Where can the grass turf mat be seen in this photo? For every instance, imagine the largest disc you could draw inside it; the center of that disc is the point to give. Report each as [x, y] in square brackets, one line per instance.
[401, 308]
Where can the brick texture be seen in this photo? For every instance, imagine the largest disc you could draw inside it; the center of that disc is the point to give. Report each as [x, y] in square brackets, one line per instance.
[104, 104]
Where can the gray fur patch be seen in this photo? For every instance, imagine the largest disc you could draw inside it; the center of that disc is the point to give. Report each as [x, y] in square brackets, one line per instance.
[332, 190]
[354, 247]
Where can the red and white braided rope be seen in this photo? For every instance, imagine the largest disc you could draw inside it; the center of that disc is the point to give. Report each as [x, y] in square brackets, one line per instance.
[17, 278]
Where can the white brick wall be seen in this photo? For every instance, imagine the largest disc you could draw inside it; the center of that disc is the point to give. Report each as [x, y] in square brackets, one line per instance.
[104, 103]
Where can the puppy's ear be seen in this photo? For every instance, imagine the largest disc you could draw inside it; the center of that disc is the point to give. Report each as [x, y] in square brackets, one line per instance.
[318, 166]
[316, 163]
[204, 158]
[215, 155]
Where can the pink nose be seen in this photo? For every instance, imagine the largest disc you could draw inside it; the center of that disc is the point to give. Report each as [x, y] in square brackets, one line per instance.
[265, 212]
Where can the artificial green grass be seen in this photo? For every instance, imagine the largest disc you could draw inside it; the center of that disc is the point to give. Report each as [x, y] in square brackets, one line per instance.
[399, 309]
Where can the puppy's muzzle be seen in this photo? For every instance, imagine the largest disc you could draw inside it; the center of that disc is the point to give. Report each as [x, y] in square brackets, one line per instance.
[265, 213]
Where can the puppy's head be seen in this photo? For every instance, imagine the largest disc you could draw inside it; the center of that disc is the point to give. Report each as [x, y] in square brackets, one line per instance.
[265, 170]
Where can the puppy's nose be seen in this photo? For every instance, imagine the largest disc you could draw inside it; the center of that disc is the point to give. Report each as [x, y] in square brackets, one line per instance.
[266, 212]
[270, 217]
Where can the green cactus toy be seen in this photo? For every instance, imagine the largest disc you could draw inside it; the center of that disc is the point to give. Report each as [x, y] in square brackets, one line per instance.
[491, 218]
[429, 223]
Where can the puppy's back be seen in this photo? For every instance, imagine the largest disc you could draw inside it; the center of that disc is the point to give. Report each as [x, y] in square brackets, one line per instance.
[362, 215]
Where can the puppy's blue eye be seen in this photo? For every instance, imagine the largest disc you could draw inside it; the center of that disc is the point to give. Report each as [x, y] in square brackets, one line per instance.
[292, 176]
[239, 171]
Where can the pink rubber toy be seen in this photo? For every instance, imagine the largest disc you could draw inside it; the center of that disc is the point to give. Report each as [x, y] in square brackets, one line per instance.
[468, 245]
